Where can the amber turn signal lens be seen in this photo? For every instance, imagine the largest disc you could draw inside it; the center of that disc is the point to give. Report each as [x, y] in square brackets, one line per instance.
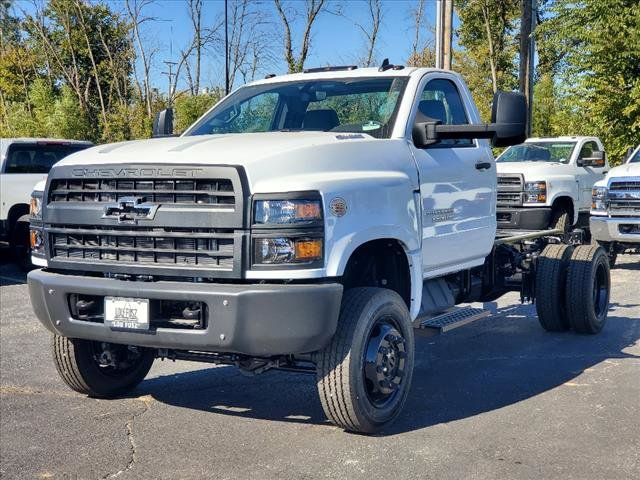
[308, 249]
[35, 239]
[308, 211]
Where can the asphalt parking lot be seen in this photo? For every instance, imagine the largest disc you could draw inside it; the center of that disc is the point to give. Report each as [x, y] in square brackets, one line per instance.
[497, 399]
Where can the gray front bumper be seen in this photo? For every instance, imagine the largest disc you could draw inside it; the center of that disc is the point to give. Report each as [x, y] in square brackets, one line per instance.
[257, 320]
[607, 229]
[525, 218]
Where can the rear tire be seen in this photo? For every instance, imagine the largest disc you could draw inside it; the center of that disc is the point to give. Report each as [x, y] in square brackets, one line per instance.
[78, 365]
[611, 252]
[364, 374]
[551, 277]
[588, 288]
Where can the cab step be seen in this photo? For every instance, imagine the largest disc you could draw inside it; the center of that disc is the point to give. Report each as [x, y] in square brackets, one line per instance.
[453, 318]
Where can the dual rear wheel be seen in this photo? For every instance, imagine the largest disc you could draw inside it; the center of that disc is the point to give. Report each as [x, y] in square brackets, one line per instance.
[572, 288]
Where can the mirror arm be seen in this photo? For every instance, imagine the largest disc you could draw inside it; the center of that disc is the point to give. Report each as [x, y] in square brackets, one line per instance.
[483, 130]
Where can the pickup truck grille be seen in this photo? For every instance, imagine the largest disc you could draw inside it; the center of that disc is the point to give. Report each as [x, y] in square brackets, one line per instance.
[625, 186]
[509, 198]
[510, 188]
[196, 192]
[187, 248]
[624, 198]
[177, 221]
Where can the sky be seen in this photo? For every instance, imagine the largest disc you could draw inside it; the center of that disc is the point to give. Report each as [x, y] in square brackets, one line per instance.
[335, 39]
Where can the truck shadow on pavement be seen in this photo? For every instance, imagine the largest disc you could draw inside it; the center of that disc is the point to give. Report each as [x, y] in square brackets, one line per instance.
[464, 373]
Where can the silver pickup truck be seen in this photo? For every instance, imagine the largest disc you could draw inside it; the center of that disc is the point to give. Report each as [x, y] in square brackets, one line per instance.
[615, 209]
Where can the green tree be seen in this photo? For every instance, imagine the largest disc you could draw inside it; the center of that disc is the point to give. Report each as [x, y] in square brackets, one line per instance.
[189, 108]
[488, 34]
[598, 45]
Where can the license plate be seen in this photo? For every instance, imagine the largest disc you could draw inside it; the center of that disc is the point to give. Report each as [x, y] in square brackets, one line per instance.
[126, 313]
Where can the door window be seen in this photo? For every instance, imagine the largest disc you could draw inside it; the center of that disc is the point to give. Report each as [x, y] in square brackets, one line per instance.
[588, 149]
[440, 100]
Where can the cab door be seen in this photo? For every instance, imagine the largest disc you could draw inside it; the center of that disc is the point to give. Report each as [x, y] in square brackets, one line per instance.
[457, 182]
[587, 176]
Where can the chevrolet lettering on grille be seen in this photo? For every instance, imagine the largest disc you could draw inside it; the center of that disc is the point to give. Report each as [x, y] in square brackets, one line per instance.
[130, 210]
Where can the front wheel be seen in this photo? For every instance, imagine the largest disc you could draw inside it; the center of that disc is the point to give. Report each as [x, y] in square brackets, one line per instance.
[99, 369]
[364, 374]
[560, 220]
[611, 252]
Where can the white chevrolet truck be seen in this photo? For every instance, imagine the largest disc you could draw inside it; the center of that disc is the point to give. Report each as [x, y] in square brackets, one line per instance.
[615, 209]
[308, 222]
[23, 163]
[546, 182]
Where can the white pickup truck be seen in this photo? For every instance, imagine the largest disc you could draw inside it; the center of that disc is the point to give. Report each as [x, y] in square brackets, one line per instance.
[547, 182]
[615, 209]
[307, 222]
[23, 163]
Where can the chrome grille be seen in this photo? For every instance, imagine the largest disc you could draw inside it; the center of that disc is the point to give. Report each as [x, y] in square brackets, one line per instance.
[161, 191]
[196, 248]
[625, 186]
[624, 198]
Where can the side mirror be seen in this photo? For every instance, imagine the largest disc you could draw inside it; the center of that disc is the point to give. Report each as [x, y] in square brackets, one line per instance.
[163, 123]
[507, 127]
[597, 159]
[509, 118]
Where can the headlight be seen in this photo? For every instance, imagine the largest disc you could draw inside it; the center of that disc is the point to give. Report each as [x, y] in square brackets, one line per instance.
[283, 250]
[535, 192]
[599, 202]
[287, 212]
[35, 206]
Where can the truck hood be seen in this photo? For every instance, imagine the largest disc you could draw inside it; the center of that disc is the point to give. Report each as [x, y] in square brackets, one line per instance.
[532, 171]
[622, 171]
[627, 170]
[268, 159]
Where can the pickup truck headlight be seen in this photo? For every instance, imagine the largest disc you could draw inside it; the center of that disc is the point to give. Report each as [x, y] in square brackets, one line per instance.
[287, 212]
[535, 192]
[285, 250]
[599, 203]
[287, 230]
[35, 206]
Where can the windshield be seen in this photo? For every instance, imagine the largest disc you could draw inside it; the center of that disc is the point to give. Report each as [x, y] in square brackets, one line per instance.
[635, 158]
[360, 105]
[38, 157]
[538, 152]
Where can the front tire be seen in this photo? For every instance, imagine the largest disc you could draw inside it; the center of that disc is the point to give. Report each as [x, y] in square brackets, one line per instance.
[611, 252]
[561, 220]
[364, 374]
[99, 369]
[588, 288]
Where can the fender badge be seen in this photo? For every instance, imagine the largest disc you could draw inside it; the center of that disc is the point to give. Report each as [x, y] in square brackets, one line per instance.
[338, 207]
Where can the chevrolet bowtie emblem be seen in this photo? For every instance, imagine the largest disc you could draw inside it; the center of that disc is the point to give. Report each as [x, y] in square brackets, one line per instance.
[130, 210]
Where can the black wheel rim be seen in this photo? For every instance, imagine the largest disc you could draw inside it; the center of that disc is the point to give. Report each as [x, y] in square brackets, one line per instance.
[115, 360]
[384, 362]
[600, 291]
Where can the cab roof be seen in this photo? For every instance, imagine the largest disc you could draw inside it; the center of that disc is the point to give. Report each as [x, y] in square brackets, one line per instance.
[343, 72]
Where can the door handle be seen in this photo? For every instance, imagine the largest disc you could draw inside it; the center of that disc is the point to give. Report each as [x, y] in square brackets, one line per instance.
[483, 166]
[605, 172]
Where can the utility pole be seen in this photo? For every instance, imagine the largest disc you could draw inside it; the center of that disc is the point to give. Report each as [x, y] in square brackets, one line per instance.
[226, 49]
[444, 33]
[170, 75]
[527, 53]
[447, 34]
[439, 32]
